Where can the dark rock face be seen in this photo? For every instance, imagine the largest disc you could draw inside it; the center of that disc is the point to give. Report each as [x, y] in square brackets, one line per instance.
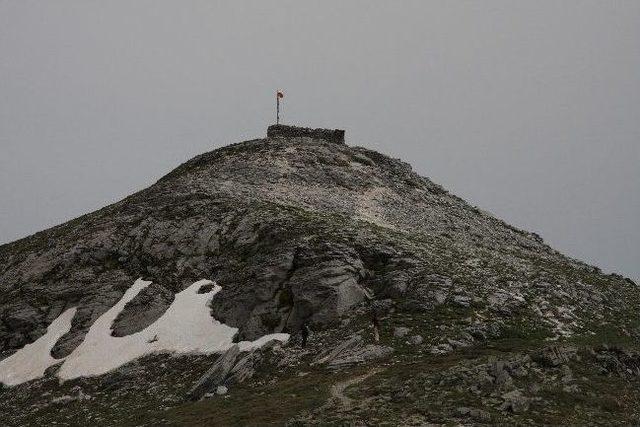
[143, 310]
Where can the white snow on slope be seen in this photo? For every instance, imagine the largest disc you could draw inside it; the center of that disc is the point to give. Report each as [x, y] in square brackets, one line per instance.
[33, 359]
[186, 326]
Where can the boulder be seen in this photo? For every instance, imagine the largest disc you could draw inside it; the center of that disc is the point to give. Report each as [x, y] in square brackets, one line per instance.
[359, 355]
[554, 355]
[352, 352]
[333, 353]
[216, 375]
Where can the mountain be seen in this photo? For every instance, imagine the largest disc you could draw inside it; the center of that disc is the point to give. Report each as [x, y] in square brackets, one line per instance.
[188, 303]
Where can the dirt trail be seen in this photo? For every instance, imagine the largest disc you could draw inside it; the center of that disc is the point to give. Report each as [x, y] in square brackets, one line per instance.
[337, 390]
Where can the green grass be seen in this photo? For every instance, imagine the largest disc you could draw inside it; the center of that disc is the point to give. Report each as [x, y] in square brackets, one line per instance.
[267, 405]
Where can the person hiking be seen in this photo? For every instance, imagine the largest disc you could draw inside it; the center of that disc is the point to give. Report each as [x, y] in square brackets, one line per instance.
[376, 326]
[304, 332]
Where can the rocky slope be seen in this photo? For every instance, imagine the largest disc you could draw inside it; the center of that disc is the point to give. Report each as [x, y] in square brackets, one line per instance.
[479, 322]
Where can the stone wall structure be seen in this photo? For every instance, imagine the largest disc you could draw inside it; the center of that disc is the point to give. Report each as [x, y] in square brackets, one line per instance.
[283, 131]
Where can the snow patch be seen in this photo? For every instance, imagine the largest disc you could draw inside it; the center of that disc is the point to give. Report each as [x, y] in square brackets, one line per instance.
[186, 327]
[32, 360]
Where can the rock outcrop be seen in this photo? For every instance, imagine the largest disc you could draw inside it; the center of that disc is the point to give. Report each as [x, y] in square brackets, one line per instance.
[216, 375]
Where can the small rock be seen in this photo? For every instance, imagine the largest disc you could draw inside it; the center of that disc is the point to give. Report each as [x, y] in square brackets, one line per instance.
[515, 402]
[463, 410]
[503, 379]
[477, 414]
[534, 388]
[567, 375]
[401, 331]
[382, 307]
[221, 390]
[439, 297]
[571, 388]
[482, 379]
[461, 343]
[441, 349]
[416, 339]
[501, 375]
[462, 300]
[553, 356]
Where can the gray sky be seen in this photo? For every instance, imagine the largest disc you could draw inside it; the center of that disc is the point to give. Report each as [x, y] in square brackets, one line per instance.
[531, 110]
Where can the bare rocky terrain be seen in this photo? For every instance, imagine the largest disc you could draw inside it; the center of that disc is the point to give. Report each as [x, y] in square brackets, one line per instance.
[479, 322]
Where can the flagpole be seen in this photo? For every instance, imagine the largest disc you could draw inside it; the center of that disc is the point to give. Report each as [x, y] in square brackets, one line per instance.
[277, 109]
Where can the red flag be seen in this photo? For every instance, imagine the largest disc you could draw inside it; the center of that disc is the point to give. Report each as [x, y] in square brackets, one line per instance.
[279, 94]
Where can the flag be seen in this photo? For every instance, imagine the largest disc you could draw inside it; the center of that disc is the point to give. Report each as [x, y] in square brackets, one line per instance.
[279, 95]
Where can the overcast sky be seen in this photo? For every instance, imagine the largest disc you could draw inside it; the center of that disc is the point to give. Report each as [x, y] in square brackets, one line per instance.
[530, 110]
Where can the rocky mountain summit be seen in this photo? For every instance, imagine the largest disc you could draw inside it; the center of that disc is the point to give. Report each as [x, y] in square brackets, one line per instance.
[420, 308]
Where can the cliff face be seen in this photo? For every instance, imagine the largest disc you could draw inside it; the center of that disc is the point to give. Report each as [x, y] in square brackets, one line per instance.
[301, 229]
